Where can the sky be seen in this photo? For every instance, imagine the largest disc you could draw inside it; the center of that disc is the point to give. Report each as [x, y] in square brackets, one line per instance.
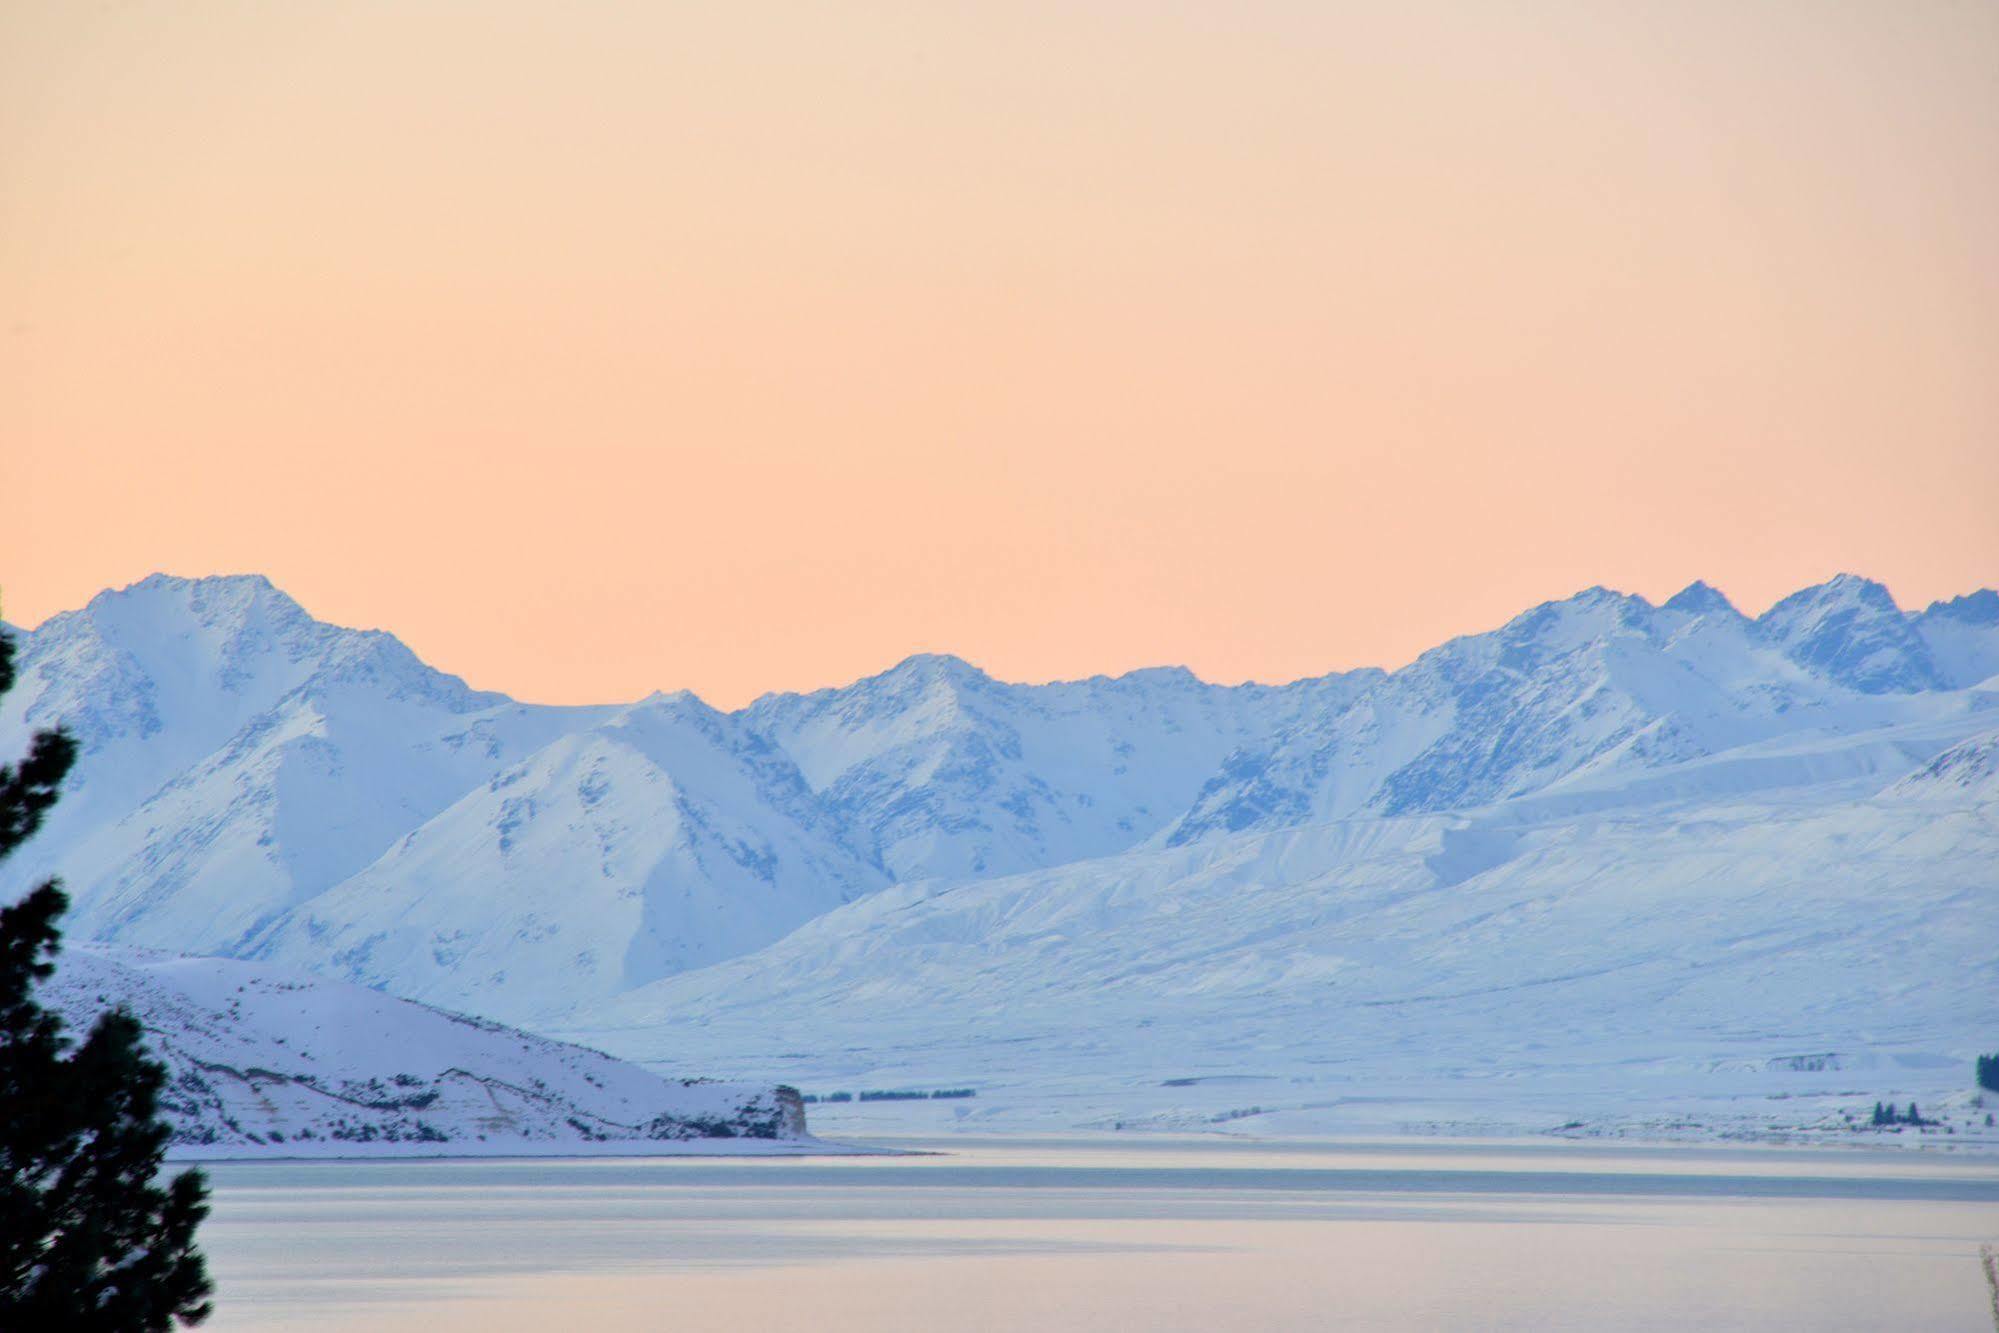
[594, 348]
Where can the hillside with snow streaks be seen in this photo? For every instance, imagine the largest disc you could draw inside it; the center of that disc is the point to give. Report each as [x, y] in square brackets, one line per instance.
[264, 1061]
[257, 784]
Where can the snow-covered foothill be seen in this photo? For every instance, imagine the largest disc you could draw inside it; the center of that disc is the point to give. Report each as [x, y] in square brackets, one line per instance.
[264, 1061]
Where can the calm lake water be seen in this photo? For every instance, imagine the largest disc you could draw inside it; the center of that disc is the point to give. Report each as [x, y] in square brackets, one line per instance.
[1073, 1235]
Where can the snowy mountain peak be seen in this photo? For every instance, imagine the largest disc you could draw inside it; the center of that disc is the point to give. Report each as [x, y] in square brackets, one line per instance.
[240, 587]
[1974, 608]
[937, 677]
[1850, 630]
[925, 671]
[1963, 637]
[1573, 621]
[936, 664]
[675, 703]
[1160, 677]
[165, 637]
[237, 606]
[1700, 598]
[1838, 593]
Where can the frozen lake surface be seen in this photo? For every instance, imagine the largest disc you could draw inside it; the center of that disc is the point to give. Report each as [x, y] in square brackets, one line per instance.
[1117, 1234]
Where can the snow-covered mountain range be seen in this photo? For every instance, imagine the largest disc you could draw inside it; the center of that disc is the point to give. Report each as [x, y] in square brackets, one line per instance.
[1601, 787]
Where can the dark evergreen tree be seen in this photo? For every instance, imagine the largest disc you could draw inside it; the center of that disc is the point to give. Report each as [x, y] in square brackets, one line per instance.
[1915, 1116]
[90, 1240]
[1988, 1072]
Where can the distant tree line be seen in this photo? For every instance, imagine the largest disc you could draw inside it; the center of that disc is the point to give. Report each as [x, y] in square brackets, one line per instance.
[882, 1095]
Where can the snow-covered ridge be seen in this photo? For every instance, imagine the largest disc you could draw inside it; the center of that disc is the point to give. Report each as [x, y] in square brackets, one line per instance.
[259, 1058]
[1966, 772]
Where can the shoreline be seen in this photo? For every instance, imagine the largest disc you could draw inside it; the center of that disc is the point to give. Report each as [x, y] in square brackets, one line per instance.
[947, 1143]
[613, 1149]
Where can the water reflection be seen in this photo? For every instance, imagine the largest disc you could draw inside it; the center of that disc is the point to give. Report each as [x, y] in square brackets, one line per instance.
[1087, 1235]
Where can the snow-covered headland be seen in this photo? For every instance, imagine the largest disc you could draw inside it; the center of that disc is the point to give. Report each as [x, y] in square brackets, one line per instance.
[262, 1062]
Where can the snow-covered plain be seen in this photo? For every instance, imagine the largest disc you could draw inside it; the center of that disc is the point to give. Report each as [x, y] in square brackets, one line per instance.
[1613, 866]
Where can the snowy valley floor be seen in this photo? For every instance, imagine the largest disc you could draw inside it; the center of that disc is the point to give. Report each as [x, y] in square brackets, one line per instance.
[1746, 1109]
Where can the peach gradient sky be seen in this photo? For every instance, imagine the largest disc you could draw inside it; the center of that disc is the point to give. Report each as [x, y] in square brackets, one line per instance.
[598, 347]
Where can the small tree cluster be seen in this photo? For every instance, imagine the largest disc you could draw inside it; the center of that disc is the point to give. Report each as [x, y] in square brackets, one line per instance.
[1886, 1114]
[1988, 1072]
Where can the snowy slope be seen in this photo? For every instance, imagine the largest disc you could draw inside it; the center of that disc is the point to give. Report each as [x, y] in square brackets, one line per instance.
[664, 838]
[1850, 631]
[1489, 969]
[1966, 774]
[258, 1057]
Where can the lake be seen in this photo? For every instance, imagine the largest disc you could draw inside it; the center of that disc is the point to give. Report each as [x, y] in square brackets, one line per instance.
[1116, 1234]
